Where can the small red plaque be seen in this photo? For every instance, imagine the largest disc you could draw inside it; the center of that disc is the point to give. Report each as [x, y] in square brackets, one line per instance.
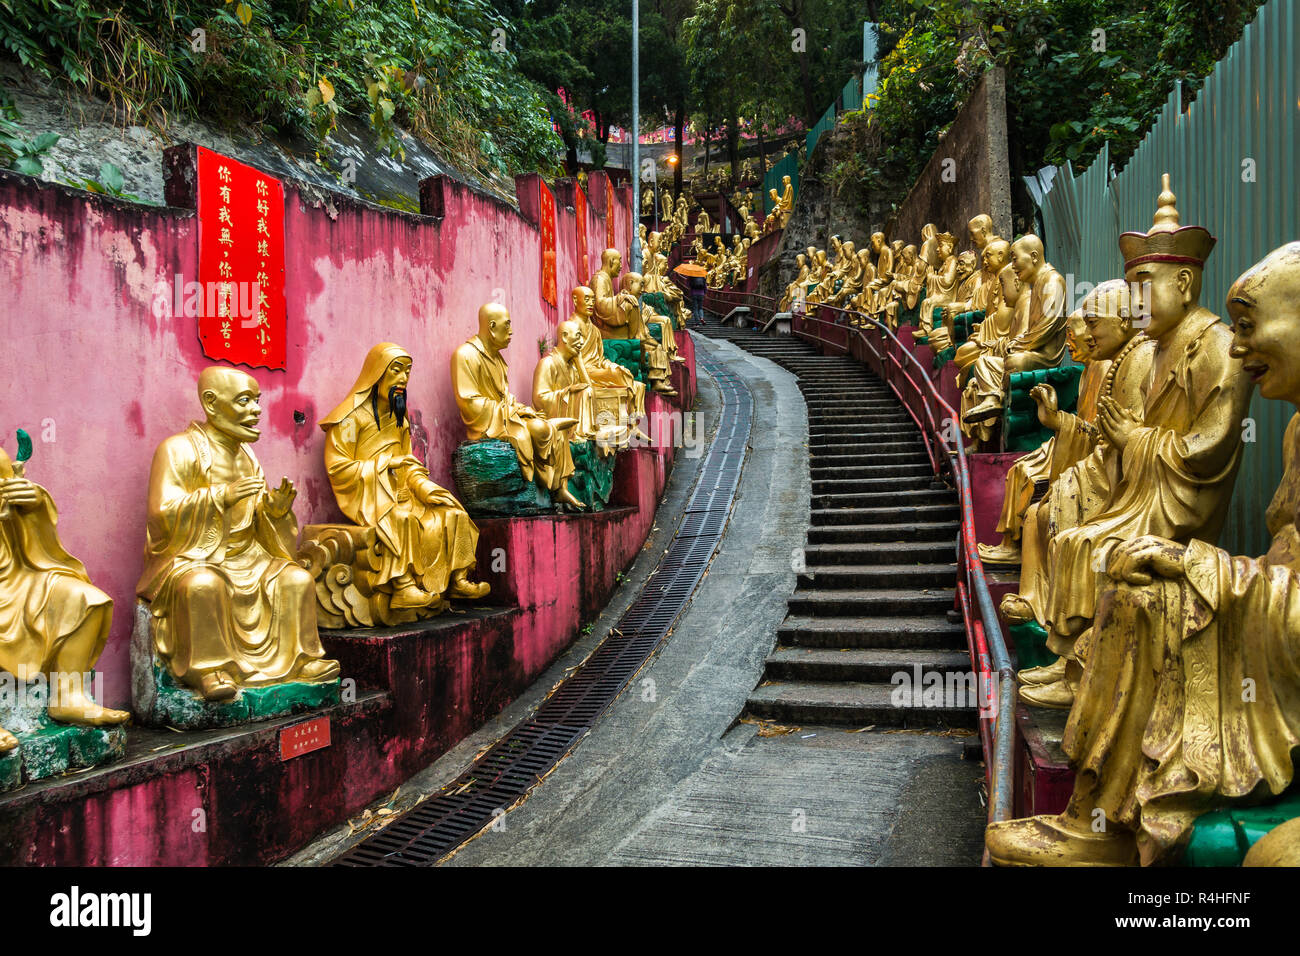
[303, 738]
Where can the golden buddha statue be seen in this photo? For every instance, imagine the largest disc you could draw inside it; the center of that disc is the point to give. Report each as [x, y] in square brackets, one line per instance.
[53, 621]
[850, 278]
[599, 372]
[1097, 331]
[993, 332]
[561, 388]
[427, 540]
[481, 380]
[1187, 700]
[980, 232]
[229, 606]
[894, 295]
[942, 284]
[1037, 341]
[703, 222]
[1180, 454]
[602, 285]
[884, 273]
[792, 290]
[647, 202]
[631, 321]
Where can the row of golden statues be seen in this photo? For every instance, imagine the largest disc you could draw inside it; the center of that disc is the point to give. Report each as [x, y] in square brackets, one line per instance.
[1175, 660]
[677, 219]
[231, 604]
[1020, 295]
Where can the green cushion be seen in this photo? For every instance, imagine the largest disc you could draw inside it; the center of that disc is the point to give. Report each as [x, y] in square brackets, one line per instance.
[1030, 641]
[1020, 428]
[1223, 837]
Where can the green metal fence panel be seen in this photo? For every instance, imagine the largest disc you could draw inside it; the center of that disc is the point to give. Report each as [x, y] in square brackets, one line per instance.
[1230, 153]
[824, 125]
[851, 95]
[786, 166]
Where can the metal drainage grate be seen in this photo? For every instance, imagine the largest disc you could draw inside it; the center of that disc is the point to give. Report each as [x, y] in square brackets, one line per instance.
[516, 763]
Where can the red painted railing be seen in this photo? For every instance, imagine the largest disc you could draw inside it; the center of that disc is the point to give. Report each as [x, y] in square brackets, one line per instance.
[868, 340]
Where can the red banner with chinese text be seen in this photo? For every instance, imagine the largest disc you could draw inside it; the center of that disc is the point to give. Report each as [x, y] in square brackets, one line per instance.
[580, 224]
[609, 214]
[546, 221]
[241, 259]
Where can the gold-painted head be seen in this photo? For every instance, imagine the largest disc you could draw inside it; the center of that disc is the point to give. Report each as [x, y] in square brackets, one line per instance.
[230, 400]
[1264, 305]
[494, 325]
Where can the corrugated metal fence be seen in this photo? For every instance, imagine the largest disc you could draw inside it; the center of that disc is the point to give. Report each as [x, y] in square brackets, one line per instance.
[1232, 155]
[787, 166]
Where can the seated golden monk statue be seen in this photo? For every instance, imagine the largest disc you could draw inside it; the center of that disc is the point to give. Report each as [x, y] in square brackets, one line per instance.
[561, 388]
[229, 606]
[1189, 698]
[1037, 341]
[53, 621]
[1098, 330]
[1179, 454]
[603, 375]
[481, 380]
[425, 542]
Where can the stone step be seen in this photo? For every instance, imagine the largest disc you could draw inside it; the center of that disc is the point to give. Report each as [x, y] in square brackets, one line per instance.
[873, 458]
[853, 704]
[930, 630]
[863, 664]
[885, 576]
[885, 531]
[885, 515]
[873, 602]
[855, 416]
[817, 556]
[900, 498]
[919, 474]
[845, 431]
[884, 478]
[911, 446]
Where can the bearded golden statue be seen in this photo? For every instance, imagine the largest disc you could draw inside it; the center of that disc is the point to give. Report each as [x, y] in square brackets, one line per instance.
[1163, 728]
[425, 541]
[229, 606]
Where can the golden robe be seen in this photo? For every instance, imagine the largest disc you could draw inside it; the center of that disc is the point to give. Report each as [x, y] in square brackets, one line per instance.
[482, 386]
[1084, 468]
[376, 478]
[1038, 465]
[1160, 717]
[221, 582]
[1176, 473]
[45, 593]
[600, 371]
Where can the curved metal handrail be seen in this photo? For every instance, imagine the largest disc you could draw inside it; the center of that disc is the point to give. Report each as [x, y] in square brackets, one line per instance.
[985, 640]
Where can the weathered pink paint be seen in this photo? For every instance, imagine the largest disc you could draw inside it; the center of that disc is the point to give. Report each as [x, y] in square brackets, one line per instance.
[99, 378]
[988, 479]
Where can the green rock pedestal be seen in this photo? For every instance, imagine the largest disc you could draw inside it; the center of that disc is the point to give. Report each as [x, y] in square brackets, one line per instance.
[1021, 430]
[489, 482]
[627, 353]
[46, 748]
[158, 701]
[1222, 838]
[592, 480]
[1030, 641]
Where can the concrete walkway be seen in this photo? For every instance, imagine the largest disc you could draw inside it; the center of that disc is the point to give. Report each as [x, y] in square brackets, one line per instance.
[668, 776]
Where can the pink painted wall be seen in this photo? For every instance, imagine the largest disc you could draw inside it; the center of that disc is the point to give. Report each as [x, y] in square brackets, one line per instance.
[88, 365]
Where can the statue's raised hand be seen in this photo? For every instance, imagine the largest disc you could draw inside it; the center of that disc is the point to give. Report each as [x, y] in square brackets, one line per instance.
[237, 491]
[280, 502]
[1137, 560]
[1049, 413]
[17, 493]
[1117, 423]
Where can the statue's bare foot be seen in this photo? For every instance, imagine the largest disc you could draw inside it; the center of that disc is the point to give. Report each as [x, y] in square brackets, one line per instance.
[1017, 609]
[319, 671]
[1003, 553]
[218, 686]
[80, 709]
[8, 741]
[465, 589]
[566, 496]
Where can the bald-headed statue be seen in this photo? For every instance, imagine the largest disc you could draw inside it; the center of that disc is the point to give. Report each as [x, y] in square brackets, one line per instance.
[229, 605]
[481, 381]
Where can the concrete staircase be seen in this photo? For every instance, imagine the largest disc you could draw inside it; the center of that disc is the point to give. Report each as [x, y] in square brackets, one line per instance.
[874, 597]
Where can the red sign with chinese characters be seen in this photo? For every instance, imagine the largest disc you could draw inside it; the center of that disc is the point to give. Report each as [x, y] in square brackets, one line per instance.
[609, 214]
[304, 737]
[241, 261]
[580, 224]
[546, 220]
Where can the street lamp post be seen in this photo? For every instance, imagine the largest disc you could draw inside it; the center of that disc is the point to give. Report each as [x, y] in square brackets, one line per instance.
[636, 129]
